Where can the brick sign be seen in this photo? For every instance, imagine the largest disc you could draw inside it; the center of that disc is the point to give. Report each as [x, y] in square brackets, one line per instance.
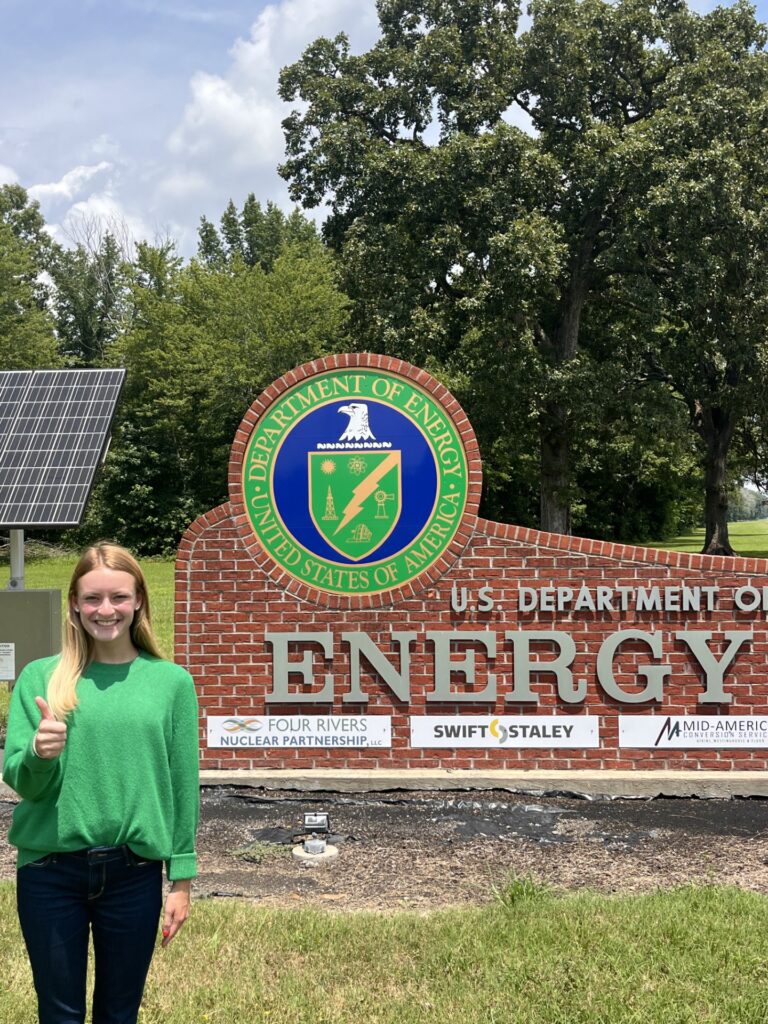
[347, 607]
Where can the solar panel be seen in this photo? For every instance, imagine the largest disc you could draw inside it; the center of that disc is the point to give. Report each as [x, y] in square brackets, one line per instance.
[12, 385]
[54, 429]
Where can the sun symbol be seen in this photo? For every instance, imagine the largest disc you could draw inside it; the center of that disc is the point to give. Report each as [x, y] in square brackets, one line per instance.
[328, 466]
[356, 465]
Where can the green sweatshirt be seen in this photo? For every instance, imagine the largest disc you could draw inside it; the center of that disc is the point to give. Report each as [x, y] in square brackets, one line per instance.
[128, 772]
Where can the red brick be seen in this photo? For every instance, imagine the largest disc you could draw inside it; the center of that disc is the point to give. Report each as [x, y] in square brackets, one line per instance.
[229, 592]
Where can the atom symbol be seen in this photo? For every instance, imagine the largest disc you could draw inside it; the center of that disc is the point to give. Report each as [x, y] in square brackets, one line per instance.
[356, 465]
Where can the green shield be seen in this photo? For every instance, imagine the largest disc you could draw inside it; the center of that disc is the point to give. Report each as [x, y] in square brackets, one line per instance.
[355, 498]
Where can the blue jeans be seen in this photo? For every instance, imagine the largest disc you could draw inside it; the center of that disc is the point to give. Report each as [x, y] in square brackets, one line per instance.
[62, 897]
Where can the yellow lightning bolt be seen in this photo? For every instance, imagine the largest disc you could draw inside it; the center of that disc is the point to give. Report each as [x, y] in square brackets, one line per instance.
[366, 487]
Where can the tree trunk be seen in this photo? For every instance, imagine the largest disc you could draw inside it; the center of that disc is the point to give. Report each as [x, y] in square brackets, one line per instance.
[563, 346]
[555, 471]
[716, 428]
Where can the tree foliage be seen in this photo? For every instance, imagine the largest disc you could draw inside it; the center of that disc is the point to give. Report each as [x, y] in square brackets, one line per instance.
[746, 504]
[27, 338]
[202, 344]
[592, 285]
[91, 299]
[254, 236]
[452, 224]
[699, 297]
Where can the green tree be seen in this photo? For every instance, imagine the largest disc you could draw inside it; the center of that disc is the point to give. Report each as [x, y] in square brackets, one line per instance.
[139, 499]
[23, 217]
[91, 299]
[638, 469]
[27, 338]
[746, 504]
[451, 222]
[209, 248]
[700, 296]
[202, 344]
[256, 236]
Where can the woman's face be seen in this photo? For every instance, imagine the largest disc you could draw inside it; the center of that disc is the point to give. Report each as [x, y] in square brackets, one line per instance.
[107, 602]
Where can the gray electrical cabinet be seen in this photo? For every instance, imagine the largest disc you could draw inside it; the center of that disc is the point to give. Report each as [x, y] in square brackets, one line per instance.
[30, 627]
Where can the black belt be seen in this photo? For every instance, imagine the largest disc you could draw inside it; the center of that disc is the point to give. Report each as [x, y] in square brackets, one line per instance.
[99, 854]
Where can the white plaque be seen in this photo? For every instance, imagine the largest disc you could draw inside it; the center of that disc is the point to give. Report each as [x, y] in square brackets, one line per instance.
[683, 732]
[309, 731]
[7, 662]
[505, 731]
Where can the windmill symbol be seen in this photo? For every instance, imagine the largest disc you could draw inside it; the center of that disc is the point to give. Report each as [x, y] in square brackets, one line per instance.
[381, 498]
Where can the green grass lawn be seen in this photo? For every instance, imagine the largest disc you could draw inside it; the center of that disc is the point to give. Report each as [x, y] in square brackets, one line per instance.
[54, 574]
[749, 539]
[690, 956]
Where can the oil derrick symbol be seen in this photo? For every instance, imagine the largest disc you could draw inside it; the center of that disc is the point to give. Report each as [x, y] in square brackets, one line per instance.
[330, 509]
[381, 498]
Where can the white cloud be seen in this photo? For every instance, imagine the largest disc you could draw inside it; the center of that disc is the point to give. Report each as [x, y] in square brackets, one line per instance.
[104, 147]
[181, 185]
[242, 126]
[90, 219]
[232, 121]
[7, 175]
[148, 145]
[71, 184]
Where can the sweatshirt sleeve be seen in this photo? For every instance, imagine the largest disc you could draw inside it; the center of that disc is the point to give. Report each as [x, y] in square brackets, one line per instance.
[185, 779]
[29, 775]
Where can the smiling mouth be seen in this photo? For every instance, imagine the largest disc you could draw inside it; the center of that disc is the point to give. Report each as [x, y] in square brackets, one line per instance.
[107, 622]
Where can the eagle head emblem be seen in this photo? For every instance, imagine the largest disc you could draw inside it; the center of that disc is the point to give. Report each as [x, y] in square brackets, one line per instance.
[358, 428]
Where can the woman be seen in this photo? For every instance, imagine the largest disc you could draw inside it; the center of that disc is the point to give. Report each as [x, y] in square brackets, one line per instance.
[102, 748]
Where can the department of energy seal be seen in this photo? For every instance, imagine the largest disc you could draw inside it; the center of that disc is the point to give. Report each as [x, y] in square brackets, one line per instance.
[355, 481]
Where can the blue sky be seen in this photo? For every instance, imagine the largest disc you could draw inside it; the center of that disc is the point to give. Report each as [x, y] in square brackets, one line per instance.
[149, 113]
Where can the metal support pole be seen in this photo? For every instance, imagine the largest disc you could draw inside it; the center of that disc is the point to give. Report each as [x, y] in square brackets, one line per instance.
[17, 560]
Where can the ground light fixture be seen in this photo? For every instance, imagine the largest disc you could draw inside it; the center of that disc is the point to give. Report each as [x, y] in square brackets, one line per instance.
[315, 850]
[318, 822]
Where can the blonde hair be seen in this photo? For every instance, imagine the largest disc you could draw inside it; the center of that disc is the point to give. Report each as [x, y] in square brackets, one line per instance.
[77, 645]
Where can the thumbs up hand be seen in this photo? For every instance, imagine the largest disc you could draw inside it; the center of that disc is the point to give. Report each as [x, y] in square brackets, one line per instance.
[51, 735]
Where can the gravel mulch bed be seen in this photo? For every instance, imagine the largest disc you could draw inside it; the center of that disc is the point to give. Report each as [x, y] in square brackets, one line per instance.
[435, 849]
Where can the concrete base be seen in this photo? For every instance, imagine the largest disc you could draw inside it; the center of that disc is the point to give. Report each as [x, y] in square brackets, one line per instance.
[632, 784]
[641, 785]
[315, 860]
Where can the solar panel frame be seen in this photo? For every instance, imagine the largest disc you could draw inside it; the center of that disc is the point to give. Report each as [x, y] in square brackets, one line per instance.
[54, 430]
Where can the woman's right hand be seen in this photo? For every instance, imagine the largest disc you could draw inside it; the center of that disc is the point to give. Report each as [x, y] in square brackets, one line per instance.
[51, 735]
